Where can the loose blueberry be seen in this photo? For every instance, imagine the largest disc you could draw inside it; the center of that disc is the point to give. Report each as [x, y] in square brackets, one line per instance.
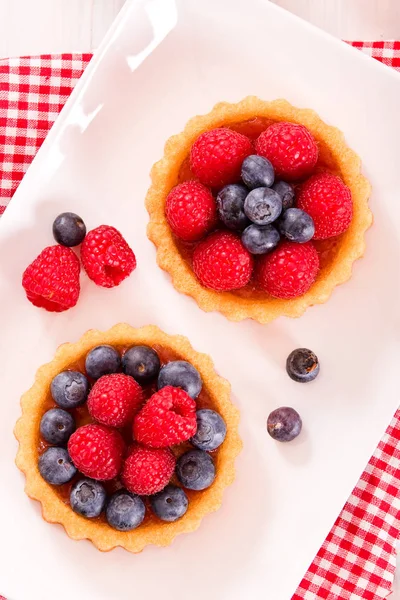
[211, 430]
[88, 498]
[125, 511]
[69, 229]
[260, 239]
[180, 373]
[230, 204]
[296, 225]
[102, 360]
[170, 504]
[263, 206]
[57, 426]
[55, 466]
[284, 424]
[302, 365]
[195, 470]
[141, 363]
[257, 171]
[69, 389]
[286, 192]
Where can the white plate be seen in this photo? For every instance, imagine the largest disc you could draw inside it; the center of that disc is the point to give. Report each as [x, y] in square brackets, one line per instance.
[139, 89]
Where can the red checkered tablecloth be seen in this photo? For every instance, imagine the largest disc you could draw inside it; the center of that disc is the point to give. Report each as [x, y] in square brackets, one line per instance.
[357, 559]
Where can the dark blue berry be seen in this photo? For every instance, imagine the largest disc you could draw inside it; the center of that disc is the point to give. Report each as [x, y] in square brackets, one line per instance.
[141, 363]
[302, 365]
[257, 171]
[102, 360]
[182, 374]
[88, 498]
[55, 466]
[296, 225]
[230, 203]
[170, 504]
[260, 239]
[286, 192]
[57, 426]
[195, 470]
[69, 389]
[125, 511]
[284, 424]
[263, 206]
[211, 430]
[69, 229]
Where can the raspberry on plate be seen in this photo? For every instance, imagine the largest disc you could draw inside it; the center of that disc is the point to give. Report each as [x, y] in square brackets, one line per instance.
[114, 400]
[106, 256]
[222, 263]
[147, 471]
[191, 211]
[51, 281]
[216, 156]
[167, 419]
[291, 149]
[328, 201]
[97, 451]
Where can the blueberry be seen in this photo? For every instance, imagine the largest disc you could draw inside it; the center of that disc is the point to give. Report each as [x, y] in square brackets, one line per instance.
[286, 192]
[125, 511]
[302, 365]
[141, 362]
[257, 171]
[296, 225]
[69, 229]
[211, 430]
[263, 206]
[69, 389]
[180, 373]
[195, 470]
[284, 424]
[88, 498]
[260, 239]
[230, 203]
[170, 504]
[57, 426]
[102, 360]
[55, 466]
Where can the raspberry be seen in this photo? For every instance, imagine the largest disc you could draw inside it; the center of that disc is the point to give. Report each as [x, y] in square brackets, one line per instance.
[52, 280]
[291, 149]
[222, 263]
[114, 399]
[97, 451]
[191, 210]
[106, 256]
[147, 471]
[289, 271]
[328, 201]
[216, 156]
[168, 418]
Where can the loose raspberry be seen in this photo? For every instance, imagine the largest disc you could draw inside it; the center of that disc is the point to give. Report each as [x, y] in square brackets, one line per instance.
[191, 210]
[115, 399]
[168, 418]
[289, 271]
[106, 256]
[52, 280]
[97, 451]
[216, 156]
[222, 263]
[328, 201]
[291, 149]
[147, 471]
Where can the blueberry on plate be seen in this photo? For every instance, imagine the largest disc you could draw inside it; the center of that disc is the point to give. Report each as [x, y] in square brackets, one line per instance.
[170, 504]
[296, 225]
[302, 365]
[257, 171]
[141, 363]
[230, 205]
[69, 229]
[57, 426]
[69, 389]
[211, 430]
[88, 498]
[102, 360]
[263, 206]
[56, 466]
[284, 424]
[182, 374]
[286, 192]
[125, 511]
[195, 470]
[260, 239]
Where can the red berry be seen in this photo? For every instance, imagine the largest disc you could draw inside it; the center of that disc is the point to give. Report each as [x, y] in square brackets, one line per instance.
[289, 271]
[52, 280]
[328, 201]
[106, 256]
[290, 147]
[191, 210]
[147, 471]
[97, 451]
[115, 399]
[168, 418]
[216, 156]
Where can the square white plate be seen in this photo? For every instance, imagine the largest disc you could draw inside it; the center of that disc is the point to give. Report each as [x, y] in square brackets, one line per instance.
[163, 62]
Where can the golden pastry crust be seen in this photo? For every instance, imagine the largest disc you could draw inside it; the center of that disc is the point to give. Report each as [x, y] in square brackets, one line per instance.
[338, 262]
[55, 510]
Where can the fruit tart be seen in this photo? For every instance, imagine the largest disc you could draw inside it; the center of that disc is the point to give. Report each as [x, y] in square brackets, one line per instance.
[128, 438]
[258, 209]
